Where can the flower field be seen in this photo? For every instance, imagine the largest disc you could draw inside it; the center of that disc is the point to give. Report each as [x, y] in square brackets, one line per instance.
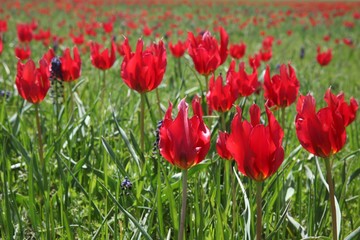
[162, 119]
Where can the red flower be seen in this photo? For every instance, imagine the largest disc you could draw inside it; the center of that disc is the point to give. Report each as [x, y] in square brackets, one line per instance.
[323, 58]
[348, 41]
[237, 51]
[206, 53]
[323, 133]
[1, 46]
[220, 97]
[255, 147]
[147, 31]
[142, 70]
[281, 90]
[221, 146]
[78, 40]
[267, 42]
[178, 50]
[254, 61]
[22, 53]
[48, 56]
[108, 26]
[70, 68]
[265, 55]
[24, 32]
[184, 142]
[3, 26]
[103, 60]
[245, 84]
[32, 83]
[326, 38]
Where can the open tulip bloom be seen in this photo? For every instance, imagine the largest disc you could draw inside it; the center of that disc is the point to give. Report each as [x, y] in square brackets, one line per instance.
[206, 53]
[323, 133]
[257, 150]
[184, 143]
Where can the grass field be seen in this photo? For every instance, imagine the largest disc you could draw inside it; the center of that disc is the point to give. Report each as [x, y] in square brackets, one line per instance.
[97, 180]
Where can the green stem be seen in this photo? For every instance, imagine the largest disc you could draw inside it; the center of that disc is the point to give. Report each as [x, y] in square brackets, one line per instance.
[183, 204]
[142, 117]
[233, 188]
[158, 101]
[258, 210]
[331, 196]
[44, 172]
[283, 118]
[41, 148]
[103, 89]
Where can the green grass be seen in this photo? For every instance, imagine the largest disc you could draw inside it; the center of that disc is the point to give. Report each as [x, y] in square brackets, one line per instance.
[89, 149]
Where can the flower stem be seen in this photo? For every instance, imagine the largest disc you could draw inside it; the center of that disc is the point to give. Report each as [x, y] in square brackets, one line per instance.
[41, 148]
[283, 117]
[183, 204]
[142, 116]
[332, 197]
[103, 89]
[258, 210]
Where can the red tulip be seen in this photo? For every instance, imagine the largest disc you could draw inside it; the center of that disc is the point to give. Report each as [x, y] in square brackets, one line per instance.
[221, 146]
[3, 26]
[103, 60]
[32, 83]
[108, 26]
[267, 42]
[282, 89]
[255, 147]
[184, 142]
[147, 31]
[265, 55]
[1, 46]
[178, 49]
[245, 84]
[220, 97]
[254, 61]
[24, 32]
[323, 58]
[70, 68]
[142, 70]
[323, 133]
[206, 53]
[78, 40]
[237, 51]
[49, 55]
[22, 53]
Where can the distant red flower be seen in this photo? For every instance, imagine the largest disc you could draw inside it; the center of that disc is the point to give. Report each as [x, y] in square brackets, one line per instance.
[184, 142]
[221, 146]
[142, 70]
[22, 53]
[265, 55]
[256, 148]
[147, 31]
[102, 60]
[237, 51]
[108, 26]
[1, 46]
[326, 38]
[206, 53]
[70, 68]
[220, 97]
[348, 41]
[32, 83]
[24, 32]
[254, 60]
[77, 39]
[323, 133]
[267, 42]
[245, 84]
[3, 26]
[282, 89]
[323, 58]
[289, 32]
[178, 49]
